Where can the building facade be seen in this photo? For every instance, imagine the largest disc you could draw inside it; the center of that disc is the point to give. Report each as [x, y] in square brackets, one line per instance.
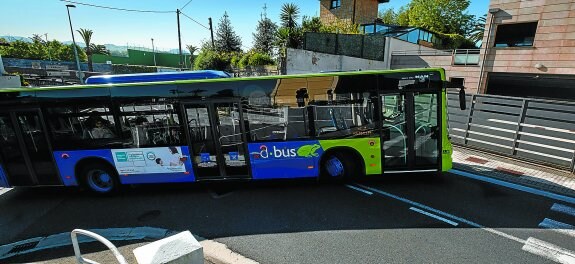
[354, 11]
[528, 49]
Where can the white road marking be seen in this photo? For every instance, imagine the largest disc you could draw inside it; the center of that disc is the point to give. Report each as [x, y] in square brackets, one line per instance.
[444, 214]
[358, 189]
[518, 187]
[549, 251]
[434, 216]
[558, 227]
[563, 209]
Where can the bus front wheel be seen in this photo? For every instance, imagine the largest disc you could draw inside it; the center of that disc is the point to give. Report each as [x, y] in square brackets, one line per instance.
[339, 166]
[100, 179]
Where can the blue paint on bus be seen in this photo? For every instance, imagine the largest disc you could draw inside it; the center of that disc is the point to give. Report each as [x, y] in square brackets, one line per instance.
[67, 161]
[3, 178]
[157, 77]
[281, 160]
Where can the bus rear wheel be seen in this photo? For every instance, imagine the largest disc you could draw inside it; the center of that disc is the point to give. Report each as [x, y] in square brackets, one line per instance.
[100, 179]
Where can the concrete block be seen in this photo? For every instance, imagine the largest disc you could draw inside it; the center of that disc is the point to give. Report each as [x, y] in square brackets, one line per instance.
[177, 249]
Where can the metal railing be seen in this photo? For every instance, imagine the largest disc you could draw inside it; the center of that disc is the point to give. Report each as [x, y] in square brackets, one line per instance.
[459, 56]
[537, 130]
[101, 239]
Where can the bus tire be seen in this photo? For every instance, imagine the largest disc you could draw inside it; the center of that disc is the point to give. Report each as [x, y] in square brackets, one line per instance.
[100, 179]
[339, 167]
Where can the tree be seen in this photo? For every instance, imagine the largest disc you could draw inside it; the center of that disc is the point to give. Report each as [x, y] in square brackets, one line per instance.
[192, 49]
[264, 37]
[442, 16]
[87, 36]
[288, 17]
[67, 53]
[388, 16]
[312, 24]
[478, 29]
[226, 38]
[99, 49]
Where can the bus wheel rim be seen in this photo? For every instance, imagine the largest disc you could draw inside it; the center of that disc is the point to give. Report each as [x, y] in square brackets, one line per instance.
[334, 167]
[100, 181]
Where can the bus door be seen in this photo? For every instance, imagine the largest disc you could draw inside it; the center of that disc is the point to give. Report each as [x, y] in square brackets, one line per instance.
[410, 132]
[217, 140]
[26, 153]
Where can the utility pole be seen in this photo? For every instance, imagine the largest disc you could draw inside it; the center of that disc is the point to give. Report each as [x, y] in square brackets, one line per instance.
[211, 31]
[179, 38]
[154, 52]
[48, 46]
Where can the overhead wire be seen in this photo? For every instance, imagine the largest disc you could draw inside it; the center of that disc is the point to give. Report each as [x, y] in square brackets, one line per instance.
[194, 20]
[185, 5]
[119, 9]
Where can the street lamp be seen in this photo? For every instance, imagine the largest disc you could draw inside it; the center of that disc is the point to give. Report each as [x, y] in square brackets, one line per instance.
[74, 41]
[154, 51]
[493, 12]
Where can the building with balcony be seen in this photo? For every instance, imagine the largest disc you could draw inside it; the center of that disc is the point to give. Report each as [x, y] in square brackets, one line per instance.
[354, 11]
[529, 49]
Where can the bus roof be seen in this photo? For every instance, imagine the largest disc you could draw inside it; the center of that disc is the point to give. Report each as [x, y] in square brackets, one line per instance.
[88, 86]
[157, 77]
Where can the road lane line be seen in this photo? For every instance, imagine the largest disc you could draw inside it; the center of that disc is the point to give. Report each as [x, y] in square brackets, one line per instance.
[549, 251]
[434, 216]
[359, 189]
[518, 187]
[563, 209]
[444, 214]
[558, 227]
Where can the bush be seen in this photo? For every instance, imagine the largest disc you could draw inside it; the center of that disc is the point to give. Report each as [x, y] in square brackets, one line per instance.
[212, 60]
[259, 59]
[455, 41]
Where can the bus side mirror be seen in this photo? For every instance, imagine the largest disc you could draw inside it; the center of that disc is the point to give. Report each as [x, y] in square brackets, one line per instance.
[462, 99]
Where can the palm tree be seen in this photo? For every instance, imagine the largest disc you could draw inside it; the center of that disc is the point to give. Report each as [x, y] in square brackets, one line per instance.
[99, 49]
[192, 49]
[288, 16]
[477, 30]
[87, 36]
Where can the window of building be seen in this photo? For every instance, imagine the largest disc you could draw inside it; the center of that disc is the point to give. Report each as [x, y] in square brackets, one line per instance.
[335, 4]
[515, 35]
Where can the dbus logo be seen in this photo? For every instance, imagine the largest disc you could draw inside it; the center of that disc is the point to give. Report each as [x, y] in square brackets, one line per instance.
[305, 151]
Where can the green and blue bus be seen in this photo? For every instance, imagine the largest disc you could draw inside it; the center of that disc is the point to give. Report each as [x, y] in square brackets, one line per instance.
[327, 126]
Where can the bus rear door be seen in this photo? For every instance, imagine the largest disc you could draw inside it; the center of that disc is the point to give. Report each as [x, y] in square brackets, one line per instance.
[26, 152]
[217, 140]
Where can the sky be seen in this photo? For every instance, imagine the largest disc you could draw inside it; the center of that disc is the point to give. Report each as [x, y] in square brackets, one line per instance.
[27, 17]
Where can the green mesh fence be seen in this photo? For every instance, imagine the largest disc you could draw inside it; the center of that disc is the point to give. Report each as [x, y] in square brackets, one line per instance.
[354, 45]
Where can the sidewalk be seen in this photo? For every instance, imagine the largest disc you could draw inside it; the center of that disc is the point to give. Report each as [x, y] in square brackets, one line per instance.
[57, 249]
[514, 171]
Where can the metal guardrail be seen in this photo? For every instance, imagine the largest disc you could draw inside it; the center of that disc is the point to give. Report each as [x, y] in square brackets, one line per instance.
[537, 130]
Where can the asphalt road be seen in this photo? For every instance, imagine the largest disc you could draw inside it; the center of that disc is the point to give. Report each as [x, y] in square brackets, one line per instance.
[400, 219]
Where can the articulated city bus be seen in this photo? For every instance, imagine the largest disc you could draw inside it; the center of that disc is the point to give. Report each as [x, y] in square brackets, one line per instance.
[327, 126]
